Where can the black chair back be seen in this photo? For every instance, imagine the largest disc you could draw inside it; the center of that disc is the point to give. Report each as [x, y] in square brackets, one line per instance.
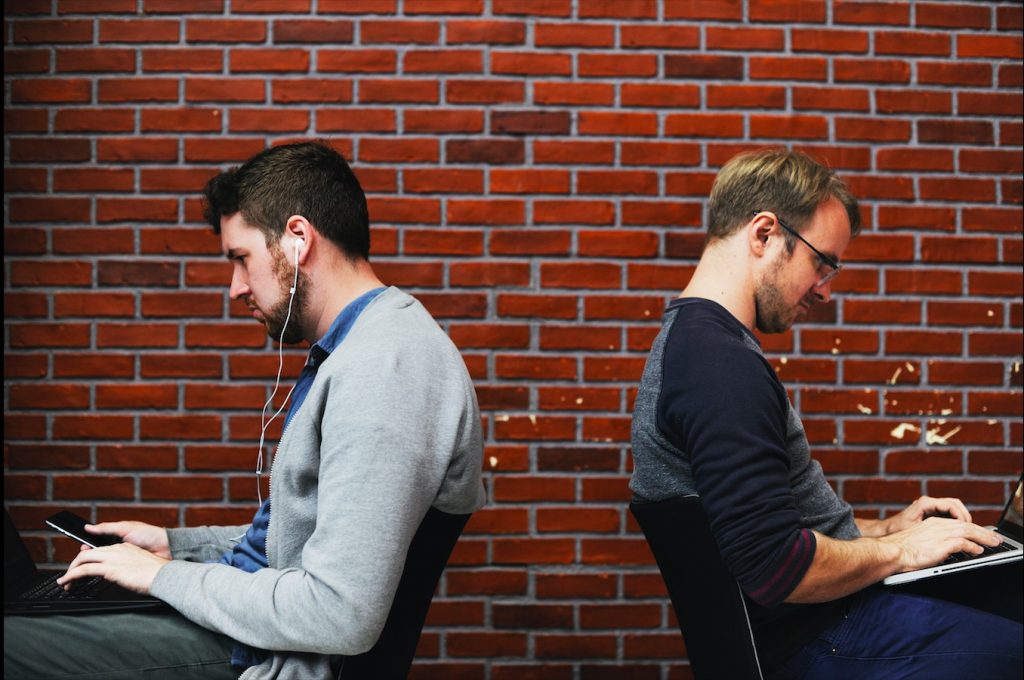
[707, 600]
[391, 657]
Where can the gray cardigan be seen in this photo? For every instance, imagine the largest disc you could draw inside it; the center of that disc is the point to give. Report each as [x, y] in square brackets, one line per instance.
[390, 427]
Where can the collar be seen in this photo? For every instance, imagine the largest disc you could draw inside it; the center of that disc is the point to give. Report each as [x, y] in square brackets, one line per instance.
[340, 327]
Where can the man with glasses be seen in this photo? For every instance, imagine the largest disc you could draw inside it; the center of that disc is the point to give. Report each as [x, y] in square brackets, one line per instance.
[713, 420]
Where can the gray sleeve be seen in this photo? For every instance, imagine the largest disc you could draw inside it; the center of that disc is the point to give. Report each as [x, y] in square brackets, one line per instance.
[199, 544]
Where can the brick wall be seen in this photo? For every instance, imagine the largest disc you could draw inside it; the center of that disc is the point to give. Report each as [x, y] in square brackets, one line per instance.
[536, 172]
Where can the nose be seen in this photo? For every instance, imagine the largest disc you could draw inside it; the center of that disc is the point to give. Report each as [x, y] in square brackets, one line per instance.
[239, 285]
[822, 293]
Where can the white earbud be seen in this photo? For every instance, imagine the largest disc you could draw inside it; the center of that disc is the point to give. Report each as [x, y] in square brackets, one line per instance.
[298, 246]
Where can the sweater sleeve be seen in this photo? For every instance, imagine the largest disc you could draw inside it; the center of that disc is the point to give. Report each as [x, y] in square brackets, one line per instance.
[722, 404]
[200, 544]
[386, 425]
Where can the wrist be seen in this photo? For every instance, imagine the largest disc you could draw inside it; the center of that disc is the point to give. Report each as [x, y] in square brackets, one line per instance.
[892, 553]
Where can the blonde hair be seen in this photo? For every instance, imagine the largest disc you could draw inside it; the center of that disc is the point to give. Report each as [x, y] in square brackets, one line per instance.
[789, 183]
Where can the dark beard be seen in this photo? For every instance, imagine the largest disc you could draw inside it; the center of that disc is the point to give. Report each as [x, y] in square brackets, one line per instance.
[275, 317]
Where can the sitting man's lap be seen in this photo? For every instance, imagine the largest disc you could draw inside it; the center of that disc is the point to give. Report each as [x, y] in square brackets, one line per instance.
[116, 646]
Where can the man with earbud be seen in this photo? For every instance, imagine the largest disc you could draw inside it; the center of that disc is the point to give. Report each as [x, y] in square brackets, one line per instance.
[382, 425]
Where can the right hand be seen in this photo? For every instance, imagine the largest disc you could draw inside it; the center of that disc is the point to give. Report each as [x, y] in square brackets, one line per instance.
[145, 536]
[933, 540]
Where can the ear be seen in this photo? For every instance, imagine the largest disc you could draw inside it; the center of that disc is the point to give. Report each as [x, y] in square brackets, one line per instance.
[758, 232]
[298, 227]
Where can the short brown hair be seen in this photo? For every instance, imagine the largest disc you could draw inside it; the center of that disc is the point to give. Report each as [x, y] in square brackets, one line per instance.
[789, 183]
[306, 178]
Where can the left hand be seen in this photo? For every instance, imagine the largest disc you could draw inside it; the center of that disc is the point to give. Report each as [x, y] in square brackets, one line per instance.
[925, 507]
[125, 564]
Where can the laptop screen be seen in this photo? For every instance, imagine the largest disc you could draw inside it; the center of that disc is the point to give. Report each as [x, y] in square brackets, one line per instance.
[1011, 522]
[18, 563]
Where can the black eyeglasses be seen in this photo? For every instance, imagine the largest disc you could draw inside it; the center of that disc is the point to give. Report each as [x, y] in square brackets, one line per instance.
[825, 259]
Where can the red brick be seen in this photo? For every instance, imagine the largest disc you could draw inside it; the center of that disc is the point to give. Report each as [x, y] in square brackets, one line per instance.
[948, 15]
[529, 63]
[787, 68]
[662, 95]
[357, 61]
[836, 41]
[988, 46]
[533, 551]
[959, 74]
[872, 71]
[941, 372]
[491, 274]
[48, 31]
[68, 149]
[443, 120]
[495, 211]
[443, 61]
[138, 31]
[924, 281]
[632, 182]
[616, 551]
[178, 60]
[576, 35]
[530, 242]
[617, 244]
[548, 367]
[490, 151]
[704, 66]
[529, 182]
[744, 39]
[617, 65]
[913, 43]
[573, 94]
[486, 644]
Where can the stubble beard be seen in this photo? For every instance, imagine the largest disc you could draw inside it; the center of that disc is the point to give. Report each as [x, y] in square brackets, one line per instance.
[275, 316]
[771, 313]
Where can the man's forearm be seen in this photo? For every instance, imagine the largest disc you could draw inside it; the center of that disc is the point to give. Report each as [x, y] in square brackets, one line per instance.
[844, 567]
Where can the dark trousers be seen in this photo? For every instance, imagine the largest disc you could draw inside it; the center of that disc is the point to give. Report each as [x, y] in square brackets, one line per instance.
[124, 646]
[958, 626]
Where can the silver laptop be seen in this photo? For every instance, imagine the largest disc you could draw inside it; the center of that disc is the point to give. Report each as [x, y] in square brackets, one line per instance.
[1010, 529]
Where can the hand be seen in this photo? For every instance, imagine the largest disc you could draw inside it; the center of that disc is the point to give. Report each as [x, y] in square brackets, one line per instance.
[125, 564]
[935, 538]
[145, 536]
[925, 507]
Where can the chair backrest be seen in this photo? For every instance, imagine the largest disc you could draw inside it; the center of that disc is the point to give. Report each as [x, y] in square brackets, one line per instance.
[391, 657]
[707, 600]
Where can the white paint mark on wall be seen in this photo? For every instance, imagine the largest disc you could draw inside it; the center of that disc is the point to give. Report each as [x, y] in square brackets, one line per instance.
[932, 437]
[900, 431]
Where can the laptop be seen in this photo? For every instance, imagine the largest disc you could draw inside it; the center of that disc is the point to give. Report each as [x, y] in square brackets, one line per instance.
[1010, 528]
[30, 590]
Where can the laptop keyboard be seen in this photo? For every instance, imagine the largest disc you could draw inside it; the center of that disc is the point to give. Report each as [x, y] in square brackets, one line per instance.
[85, 589]
[964, 557]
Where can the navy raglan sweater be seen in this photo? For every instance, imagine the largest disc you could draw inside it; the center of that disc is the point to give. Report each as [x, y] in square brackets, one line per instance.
[713, 420]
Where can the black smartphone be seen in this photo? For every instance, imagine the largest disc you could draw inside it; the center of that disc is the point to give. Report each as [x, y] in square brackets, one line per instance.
[70, 524]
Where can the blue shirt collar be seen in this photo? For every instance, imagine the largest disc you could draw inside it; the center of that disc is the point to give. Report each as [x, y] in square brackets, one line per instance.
[340, 327]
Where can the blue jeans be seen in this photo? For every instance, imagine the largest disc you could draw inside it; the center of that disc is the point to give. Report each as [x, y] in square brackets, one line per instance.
[889, 634]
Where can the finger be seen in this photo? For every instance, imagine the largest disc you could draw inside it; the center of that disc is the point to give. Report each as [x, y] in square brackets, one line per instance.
[114, 528]
[983, 536]
[948, 506]
[82, 571]
[956, 509]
